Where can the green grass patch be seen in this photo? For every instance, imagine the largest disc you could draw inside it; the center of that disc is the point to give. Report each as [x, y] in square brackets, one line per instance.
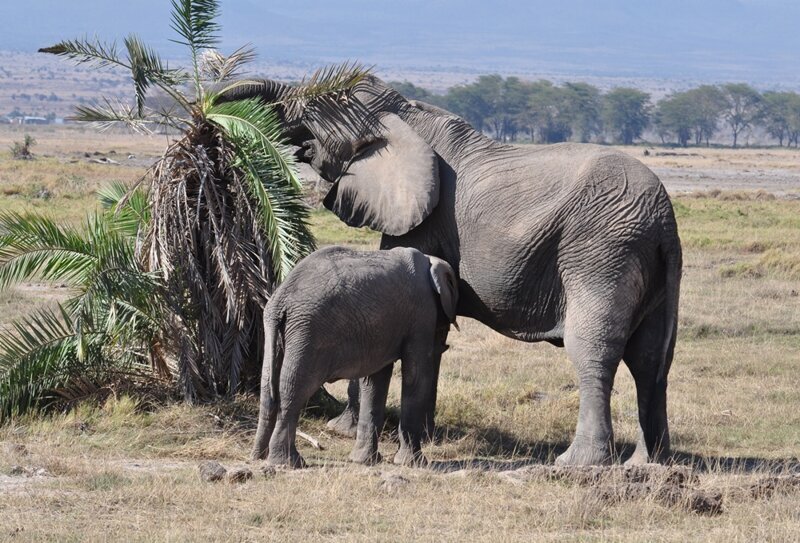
[330, 230]
[742, 225]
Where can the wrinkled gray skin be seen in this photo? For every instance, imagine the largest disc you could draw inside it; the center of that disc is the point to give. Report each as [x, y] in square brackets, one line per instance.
[343, 314]
[573, 244]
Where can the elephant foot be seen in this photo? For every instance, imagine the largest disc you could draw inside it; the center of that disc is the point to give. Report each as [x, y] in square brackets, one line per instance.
[639, 456]
[364, 455]
[258, 454]
[407, 457]
[345, 424]
[293, 461]
[585, 452]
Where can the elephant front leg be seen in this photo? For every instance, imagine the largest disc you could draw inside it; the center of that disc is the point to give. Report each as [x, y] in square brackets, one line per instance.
[346, 424]
[596, 364]
[374, 390]
[440, 346]
[416, 397]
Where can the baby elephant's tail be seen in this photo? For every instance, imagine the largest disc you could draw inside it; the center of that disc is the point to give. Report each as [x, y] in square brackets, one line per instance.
[270, 380]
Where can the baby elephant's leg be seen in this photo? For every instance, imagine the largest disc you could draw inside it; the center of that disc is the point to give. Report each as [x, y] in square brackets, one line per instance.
[294, 394]
[374, 390]
[418, 382]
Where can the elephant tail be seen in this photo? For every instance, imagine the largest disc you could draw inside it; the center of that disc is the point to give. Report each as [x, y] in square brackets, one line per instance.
[671, 253]
[273, 352]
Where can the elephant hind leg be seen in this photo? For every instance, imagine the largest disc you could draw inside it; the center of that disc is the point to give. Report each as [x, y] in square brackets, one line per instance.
[643, 356]
[267, 417]
[294, 394]
[595, 334]
[346, 424]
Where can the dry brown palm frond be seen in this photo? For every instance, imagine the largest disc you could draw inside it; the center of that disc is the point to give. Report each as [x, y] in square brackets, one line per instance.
[208, 240]
[218, 67]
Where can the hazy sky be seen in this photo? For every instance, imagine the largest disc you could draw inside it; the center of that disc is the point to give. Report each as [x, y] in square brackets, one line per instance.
[752, 40]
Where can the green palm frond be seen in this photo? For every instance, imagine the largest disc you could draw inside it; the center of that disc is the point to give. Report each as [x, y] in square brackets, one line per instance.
[195, 22]
[270, 171]
[283, 215]
[111, 114]
[87, 51]
[250, 118]
[110, 323]
[33, 246]
[129, 206]
[147, 68]
[41, 353]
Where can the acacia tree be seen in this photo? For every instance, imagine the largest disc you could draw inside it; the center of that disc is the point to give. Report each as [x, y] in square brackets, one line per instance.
[626, 113]
[708, 103]
[776, 114]
[585, 105]
[549, 112]
[742, 106]
[675, 115]
[227, 217]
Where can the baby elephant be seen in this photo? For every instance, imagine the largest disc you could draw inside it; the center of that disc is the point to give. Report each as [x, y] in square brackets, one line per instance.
[343, 314]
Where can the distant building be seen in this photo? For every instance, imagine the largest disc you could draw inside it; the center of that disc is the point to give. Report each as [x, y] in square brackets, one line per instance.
[34, 120]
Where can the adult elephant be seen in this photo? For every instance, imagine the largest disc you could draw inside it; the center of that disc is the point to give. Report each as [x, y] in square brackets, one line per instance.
[573, 244]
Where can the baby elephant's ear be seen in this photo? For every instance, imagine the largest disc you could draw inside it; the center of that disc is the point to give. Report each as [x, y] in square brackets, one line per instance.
[393, 186]
[446, 284]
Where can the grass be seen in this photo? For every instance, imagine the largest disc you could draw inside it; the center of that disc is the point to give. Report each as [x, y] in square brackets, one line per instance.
[126, 467]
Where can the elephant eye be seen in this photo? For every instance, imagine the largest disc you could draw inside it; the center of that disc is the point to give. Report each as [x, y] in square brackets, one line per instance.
[362, 146]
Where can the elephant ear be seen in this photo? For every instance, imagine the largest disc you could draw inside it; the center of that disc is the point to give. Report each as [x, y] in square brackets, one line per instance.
[445, 283]
[393, 186]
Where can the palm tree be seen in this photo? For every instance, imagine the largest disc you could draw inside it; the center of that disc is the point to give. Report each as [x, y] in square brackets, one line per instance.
[111, 325]
[227, 217]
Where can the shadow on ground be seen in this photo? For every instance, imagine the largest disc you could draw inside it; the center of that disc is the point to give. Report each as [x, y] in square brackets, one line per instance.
[497, 450]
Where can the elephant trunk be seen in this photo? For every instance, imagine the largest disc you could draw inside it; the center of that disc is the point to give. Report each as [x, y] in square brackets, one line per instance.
[270, 92]
[267, 90]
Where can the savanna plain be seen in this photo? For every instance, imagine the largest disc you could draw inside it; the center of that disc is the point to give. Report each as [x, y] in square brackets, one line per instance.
[123, 463]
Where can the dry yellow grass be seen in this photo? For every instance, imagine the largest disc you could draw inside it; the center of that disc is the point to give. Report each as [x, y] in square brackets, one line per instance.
[128, 469]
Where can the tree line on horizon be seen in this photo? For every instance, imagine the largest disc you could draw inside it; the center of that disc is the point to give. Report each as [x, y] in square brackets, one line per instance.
[510, 109]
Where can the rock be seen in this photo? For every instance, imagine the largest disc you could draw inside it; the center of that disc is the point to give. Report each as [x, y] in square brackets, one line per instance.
[392, 482]
[460, 473]
[766, 487]
[212, 471]
[17, 449]
[43, 194]
[267, 471]
[238, 475]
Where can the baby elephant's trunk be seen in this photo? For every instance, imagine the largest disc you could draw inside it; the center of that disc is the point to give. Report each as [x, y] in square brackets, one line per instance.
[270, 379]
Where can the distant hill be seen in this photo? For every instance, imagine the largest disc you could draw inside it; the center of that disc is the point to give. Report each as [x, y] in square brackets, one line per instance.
[699, 40]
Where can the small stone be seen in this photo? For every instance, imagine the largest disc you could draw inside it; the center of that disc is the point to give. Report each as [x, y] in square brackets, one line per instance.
[238, 475]
[16, 449]
[41, 472]
[460, 473]
[392, 482]
[212, 471]
[267, 471]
